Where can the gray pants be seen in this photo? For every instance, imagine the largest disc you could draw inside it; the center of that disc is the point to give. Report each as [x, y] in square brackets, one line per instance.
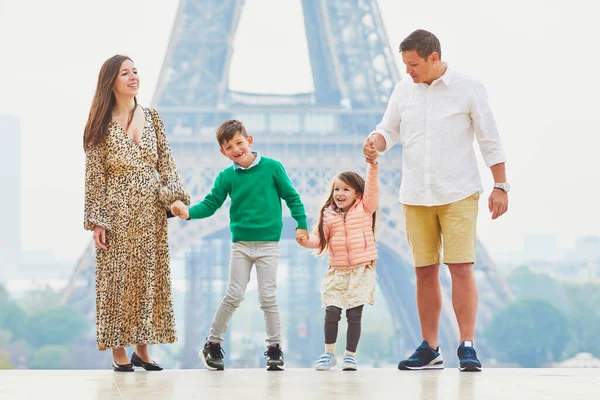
[265, 255]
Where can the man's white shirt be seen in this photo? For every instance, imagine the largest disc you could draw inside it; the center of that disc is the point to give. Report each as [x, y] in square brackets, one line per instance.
[436, 125]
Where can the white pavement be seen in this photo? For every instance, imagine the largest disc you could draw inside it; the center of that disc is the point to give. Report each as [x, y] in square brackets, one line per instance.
[305, 384]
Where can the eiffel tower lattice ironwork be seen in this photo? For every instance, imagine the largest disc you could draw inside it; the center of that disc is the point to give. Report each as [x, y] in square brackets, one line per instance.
[315, 135]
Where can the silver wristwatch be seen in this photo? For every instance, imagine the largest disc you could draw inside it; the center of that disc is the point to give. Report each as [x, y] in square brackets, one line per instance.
[505, 187]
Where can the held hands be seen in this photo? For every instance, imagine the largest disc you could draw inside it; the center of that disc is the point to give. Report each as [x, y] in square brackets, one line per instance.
[370, 150]
[179, 209]
[100, 237]
[498, 203]
[302, 237]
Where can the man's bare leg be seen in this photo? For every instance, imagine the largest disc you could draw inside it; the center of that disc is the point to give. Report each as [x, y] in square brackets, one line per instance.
[464, 299]
[429, 302]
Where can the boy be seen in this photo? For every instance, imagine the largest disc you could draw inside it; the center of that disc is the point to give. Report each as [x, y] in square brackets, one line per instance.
[256, 186]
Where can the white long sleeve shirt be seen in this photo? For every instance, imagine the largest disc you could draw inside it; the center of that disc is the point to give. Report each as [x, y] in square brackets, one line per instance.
[436, 125]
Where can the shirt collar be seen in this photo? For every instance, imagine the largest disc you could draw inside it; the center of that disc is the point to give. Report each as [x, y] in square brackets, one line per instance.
[447, 77]
[254, 163]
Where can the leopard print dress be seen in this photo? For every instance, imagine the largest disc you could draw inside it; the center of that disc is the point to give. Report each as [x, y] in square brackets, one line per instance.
[127, 190]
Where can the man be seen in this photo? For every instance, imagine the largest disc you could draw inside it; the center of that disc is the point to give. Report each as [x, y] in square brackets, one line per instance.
[435, 116]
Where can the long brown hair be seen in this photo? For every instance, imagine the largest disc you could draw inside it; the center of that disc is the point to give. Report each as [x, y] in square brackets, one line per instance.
[356, 182]
[103, 103]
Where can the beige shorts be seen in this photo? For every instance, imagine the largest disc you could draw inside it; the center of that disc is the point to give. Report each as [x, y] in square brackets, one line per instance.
[452, 224]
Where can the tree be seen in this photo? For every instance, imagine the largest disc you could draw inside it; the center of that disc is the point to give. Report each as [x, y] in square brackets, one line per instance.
[20, 352]
[4, 296]
[526, 284]
[40, 300]
[13, 319]
[584, 319]
[5, 337]
[530, 332]
[50, 357]
[56, 327]
[5, 360]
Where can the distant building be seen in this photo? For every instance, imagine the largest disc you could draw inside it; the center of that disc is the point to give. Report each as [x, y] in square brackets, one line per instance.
[587, 248]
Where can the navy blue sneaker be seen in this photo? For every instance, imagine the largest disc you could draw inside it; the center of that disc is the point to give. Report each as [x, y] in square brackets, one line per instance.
[423, 358]
[468, 357]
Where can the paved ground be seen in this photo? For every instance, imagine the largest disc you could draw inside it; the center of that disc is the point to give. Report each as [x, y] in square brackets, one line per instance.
[305, 384]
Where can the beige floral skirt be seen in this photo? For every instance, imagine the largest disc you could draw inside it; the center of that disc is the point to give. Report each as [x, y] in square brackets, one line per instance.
[349, 288]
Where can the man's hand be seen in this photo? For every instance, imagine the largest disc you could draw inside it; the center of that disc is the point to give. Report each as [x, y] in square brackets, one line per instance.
[179, 209]
[498, 203]
[370, 149]
[100, 237]
[302, 236]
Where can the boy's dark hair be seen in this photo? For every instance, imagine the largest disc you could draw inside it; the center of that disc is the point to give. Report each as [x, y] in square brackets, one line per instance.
[423, 42]
[227, 130]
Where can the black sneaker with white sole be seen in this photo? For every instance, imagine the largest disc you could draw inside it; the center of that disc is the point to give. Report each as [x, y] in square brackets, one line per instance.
[212, 356]
[274, 358]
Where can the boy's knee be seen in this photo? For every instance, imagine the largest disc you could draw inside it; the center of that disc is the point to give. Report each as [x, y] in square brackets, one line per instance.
[267, 300]
[234, 299]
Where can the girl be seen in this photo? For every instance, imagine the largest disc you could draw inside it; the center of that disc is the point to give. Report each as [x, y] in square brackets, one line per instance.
[346, 230]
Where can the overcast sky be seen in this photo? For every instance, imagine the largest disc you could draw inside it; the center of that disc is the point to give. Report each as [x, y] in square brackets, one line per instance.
[537, 59]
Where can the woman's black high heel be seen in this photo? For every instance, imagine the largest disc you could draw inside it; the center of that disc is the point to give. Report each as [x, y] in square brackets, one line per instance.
[138, 362]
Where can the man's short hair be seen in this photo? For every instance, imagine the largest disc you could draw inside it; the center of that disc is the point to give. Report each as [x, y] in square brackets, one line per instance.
[423, 42]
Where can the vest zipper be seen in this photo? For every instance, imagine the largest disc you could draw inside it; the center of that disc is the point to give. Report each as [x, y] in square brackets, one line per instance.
[346, 236]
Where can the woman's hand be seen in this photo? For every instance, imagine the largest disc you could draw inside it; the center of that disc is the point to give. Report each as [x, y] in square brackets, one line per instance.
[179, 209]
[100, 237]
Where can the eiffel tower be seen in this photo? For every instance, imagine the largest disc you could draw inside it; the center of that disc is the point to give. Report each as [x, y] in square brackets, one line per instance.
[315, 135]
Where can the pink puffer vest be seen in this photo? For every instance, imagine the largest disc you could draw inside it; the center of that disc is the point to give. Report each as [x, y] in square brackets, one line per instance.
[351, 240]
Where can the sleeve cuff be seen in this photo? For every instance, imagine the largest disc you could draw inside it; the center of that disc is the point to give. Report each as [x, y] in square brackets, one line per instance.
[494, 158]
[302, 223]
[173, 192]
[91, 223]
[194, 213]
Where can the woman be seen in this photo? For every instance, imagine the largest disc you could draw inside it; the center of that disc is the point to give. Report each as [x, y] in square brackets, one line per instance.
[130, 183]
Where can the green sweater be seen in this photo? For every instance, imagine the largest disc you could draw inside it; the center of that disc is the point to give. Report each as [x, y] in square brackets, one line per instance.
[256, 193]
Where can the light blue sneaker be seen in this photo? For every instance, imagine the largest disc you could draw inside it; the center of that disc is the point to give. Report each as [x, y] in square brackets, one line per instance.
[325, 362]
[349, 363]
